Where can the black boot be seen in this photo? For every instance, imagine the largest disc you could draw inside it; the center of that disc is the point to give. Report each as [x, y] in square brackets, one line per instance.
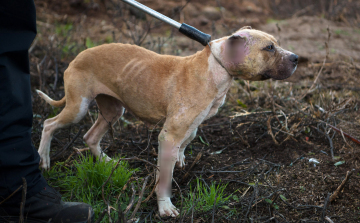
[44, 206]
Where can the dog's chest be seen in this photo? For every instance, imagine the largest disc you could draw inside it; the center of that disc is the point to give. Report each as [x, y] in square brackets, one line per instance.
[216, 105]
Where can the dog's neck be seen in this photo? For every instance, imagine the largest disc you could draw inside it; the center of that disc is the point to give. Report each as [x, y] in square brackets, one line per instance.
[222, 78]
[218, 60]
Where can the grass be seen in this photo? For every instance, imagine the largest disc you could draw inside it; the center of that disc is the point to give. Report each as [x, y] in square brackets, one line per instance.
[203, 198]
[63, 29]
[84, 183]
[89, 43]
[341, 32]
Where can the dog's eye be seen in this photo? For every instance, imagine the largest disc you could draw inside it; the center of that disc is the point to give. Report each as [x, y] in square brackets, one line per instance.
[270, 48]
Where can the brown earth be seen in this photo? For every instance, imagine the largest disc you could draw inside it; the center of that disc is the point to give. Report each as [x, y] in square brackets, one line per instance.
[298, 117]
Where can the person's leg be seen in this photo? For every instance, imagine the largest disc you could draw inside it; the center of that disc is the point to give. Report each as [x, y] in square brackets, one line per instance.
[18, 157]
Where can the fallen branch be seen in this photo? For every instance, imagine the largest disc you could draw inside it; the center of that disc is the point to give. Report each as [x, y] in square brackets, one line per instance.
[103, 186]
[151, 193]
[238, 114]
[123, 189]
[121, 216]
[326, 205]
[76, 151]
[11, 195]
[328, 219]
[327, 136]
[132, 199]
[140, 197]
[54, 157]
[270, 131]
[192, 165]
[251, 200]
[145, 161]
[220, 151]
[342, 185]
[345, 134]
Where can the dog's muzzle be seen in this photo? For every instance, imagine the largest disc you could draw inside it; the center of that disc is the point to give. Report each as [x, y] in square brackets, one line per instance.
[283, 70]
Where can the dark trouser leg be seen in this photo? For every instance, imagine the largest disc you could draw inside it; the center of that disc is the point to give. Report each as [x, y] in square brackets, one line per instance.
[18, 157]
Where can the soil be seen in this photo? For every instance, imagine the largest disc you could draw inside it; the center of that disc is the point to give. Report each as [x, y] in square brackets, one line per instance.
[272, 167]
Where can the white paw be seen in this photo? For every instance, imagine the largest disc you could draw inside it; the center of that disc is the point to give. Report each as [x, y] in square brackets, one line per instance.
[181, 161]
[103, 156]
[166, 208]
[44, 161]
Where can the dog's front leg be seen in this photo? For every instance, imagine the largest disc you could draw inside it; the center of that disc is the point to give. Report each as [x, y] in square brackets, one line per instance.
[181, 160]
[177, 129]
[168, 154]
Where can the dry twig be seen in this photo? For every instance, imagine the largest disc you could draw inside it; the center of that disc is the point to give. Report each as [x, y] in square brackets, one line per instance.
[326, 205]
[345, 134]
[140, 197]
[103, 186]
[151, 193]
[132, 199]
[198, 157]
[56, 156]
[268, 123]
[342, 185]
[23, 200]
[12, 194]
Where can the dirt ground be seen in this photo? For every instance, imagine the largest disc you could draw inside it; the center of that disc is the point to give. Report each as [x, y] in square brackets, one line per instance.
[264, 138]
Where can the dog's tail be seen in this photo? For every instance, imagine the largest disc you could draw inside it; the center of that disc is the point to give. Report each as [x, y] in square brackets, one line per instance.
[60, 103]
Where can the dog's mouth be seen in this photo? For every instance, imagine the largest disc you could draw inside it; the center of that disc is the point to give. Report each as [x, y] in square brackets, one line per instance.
[265, 76]
[280, 74]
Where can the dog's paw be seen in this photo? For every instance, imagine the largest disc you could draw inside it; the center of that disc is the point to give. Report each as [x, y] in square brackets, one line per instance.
[180, 163]
[106, 158]
[166, 208]
[44, 162]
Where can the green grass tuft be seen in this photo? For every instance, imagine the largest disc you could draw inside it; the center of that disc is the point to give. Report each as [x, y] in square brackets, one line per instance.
[203, 198]
[84, 182]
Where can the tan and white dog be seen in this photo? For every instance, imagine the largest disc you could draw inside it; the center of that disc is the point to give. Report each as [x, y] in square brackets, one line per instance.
[182, 91]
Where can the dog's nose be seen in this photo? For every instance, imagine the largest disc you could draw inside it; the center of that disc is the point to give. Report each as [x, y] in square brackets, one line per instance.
[294, 58]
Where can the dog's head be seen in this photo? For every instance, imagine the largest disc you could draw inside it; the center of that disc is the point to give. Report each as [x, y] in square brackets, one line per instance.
[255, 55]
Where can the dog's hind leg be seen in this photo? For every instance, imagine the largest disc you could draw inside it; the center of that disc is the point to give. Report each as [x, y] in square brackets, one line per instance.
[111, 110]
[74, 111]
[181, 158]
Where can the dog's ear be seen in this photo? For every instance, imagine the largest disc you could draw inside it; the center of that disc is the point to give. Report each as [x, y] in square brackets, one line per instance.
[246, 27]
[235, 40]
[235, 46]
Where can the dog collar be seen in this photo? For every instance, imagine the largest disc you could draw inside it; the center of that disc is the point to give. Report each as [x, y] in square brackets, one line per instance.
[217, 59]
